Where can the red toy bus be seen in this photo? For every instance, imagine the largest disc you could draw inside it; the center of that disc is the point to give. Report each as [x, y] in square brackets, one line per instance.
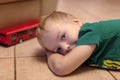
[18, 34]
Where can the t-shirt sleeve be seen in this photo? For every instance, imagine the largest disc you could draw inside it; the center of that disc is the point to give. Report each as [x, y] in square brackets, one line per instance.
[88, 37]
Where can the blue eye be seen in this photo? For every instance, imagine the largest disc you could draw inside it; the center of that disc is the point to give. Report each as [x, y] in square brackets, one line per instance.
[59, 50]
[63, 36]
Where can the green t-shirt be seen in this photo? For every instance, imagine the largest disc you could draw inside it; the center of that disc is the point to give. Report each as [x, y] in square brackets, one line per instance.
[106, 35]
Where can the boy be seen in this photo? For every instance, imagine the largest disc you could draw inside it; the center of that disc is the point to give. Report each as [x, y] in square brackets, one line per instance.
[94, 43]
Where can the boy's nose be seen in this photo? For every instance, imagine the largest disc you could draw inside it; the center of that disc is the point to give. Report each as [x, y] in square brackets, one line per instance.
[65, 47]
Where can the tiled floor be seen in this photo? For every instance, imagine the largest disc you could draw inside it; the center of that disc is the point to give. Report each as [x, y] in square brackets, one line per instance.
[25, 61]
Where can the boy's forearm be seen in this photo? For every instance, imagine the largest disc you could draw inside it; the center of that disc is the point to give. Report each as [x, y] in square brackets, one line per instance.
[62, 65]
[65, 64]
[54, 62]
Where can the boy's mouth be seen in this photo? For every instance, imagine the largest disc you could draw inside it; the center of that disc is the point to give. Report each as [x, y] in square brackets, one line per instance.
[72, 46]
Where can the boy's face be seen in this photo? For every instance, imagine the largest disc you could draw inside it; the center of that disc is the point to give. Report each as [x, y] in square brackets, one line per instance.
[60, 37]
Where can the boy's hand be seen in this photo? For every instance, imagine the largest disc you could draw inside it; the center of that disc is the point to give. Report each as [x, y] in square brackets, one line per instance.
[48, 53]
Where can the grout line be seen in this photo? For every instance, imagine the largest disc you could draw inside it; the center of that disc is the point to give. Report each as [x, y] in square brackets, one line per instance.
[29, 56]
[7, 58]
[112, 75]
[15, 63]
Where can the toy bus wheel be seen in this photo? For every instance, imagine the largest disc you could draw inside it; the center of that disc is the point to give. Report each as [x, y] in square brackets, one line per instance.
[21, 40]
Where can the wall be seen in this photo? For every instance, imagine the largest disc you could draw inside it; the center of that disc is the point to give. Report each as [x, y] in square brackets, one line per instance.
[14, 12]
[5, 1]
[47, 6]
[18, 12]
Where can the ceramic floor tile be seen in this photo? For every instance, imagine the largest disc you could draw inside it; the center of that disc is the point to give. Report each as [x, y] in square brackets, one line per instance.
[29, 48]
[6, 52]
[7, 69]
[116, 74]
[35, 68]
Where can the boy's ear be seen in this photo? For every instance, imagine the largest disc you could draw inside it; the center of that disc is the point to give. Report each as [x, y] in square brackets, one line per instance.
[77, 21]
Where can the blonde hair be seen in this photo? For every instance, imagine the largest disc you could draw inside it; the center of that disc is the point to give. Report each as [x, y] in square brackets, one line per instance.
[55, 16]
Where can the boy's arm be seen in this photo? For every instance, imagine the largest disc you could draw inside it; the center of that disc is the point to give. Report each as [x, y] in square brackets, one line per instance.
[65, 64]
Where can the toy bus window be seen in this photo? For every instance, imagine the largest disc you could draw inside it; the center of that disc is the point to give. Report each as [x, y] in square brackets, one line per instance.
[21, 33]
[3, 35]
[13, 37]
[35, 29]
[30, 32]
